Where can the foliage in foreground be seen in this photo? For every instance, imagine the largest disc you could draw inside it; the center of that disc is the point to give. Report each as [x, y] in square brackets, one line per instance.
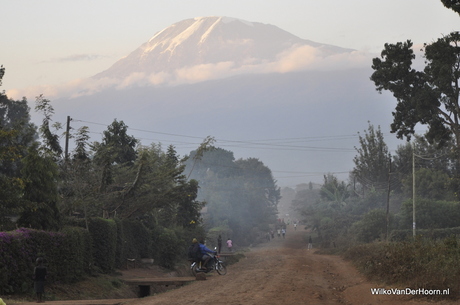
[419, 263]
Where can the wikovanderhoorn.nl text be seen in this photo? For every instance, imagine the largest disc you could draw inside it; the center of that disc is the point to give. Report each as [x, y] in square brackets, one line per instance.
[410, 291]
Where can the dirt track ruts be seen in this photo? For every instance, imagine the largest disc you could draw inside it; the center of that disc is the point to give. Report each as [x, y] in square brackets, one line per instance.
[283, 271]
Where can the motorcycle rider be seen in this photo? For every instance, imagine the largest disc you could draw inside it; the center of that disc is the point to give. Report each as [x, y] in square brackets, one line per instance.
[205, 257]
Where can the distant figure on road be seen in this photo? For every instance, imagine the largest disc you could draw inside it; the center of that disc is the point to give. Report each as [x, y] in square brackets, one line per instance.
[40, 273]
[295, 227]
[310, 243]
[283, 231]
[219, 243]
[229, 245]
[279, 233]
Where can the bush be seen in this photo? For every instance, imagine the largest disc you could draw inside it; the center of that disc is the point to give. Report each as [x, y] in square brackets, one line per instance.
[431, 214]
[420, 263]
[401, 235]
[104, 242]
[137, 239]
[168, 247]
[18, 252]
[76, 254]
[371, 227]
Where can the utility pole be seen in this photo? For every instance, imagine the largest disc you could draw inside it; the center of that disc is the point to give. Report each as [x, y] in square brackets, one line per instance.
[388, 199]
[413, 190]
[67, 135]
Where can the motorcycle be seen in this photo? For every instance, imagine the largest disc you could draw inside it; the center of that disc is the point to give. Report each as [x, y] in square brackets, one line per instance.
[214, 264]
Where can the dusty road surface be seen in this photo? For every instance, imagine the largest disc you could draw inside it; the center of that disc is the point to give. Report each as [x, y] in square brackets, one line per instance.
[283, 271]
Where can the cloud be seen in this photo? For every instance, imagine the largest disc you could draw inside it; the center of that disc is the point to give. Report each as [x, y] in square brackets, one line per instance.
[204, 72]
[79, 57]
[298, 58]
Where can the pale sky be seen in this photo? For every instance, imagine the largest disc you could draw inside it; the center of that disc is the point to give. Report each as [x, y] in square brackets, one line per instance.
[53, 42]
[49, 42]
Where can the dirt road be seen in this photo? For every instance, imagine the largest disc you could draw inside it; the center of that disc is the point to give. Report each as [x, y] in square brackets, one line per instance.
[283, 271]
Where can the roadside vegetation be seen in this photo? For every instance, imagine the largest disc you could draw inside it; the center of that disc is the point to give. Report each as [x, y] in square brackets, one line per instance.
[370, 218]
[89, 209]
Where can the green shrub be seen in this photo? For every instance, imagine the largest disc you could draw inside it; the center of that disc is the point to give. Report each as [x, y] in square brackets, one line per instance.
[104, 242]
[138, 240]
[18, 252]
[168, 247]
[120, 252]
[76, 255]
[371, 227]
[420, 263]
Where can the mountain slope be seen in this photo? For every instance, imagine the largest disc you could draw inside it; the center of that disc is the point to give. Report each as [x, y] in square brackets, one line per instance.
[294, 104]
[211, 40]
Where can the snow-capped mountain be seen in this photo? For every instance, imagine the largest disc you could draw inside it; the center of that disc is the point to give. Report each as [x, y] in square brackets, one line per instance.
[222, 42]
[259, 90]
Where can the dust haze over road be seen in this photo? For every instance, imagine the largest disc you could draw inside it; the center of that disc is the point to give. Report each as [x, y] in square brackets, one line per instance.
[283, 271]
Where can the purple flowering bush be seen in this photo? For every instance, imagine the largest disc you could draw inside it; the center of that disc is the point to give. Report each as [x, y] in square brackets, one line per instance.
[75, 252]
[20, 248]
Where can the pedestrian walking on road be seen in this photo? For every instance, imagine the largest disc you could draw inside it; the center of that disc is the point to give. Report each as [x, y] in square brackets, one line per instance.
[310, 243]
[40, 273]
[283, 231]
[229, 245]
[219, 243]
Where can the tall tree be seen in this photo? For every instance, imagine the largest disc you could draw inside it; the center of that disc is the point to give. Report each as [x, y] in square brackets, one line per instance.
[452, 4]
[117, 148]
[241, 196]
[2, 72]
[17, 133]
[119, 144]
[373, 161]
[429, 97]
[40, 192]
[51, 139]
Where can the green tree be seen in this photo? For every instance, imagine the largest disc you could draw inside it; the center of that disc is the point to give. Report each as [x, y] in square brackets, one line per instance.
[431, 214]
[371, 227]
[372, 164]
[118, 144]
[452, 4]
[429, 184]
[40, 174]
[17, 133]
[2, 72]
[241, 196]
[429, 97]
[334, 191]
[79, 180]
[51, 139]
[117, 149]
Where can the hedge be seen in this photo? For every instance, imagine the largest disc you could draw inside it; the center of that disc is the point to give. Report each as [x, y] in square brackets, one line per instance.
[75, 252]
[104, 241]
[67, 256]
[401, 235]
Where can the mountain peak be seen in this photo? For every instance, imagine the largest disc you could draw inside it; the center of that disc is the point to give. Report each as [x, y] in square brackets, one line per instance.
[224, 41]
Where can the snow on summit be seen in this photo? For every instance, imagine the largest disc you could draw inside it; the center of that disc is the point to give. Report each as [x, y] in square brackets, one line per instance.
[203, 48]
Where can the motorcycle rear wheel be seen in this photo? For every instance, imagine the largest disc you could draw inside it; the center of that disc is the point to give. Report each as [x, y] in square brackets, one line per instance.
[221, 269]
[193, 269]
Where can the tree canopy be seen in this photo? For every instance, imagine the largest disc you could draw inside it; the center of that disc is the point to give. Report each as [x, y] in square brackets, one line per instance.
[452, 4]
[241, 195]
[429, 97]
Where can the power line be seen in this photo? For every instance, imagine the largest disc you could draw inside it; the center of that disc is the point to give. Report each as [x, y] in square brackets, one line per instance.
[274, 144]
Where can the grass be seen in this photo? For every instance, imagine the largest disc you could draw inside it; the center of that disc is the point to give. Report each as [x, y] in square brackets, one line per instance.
[95, 287]
[420, 263]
